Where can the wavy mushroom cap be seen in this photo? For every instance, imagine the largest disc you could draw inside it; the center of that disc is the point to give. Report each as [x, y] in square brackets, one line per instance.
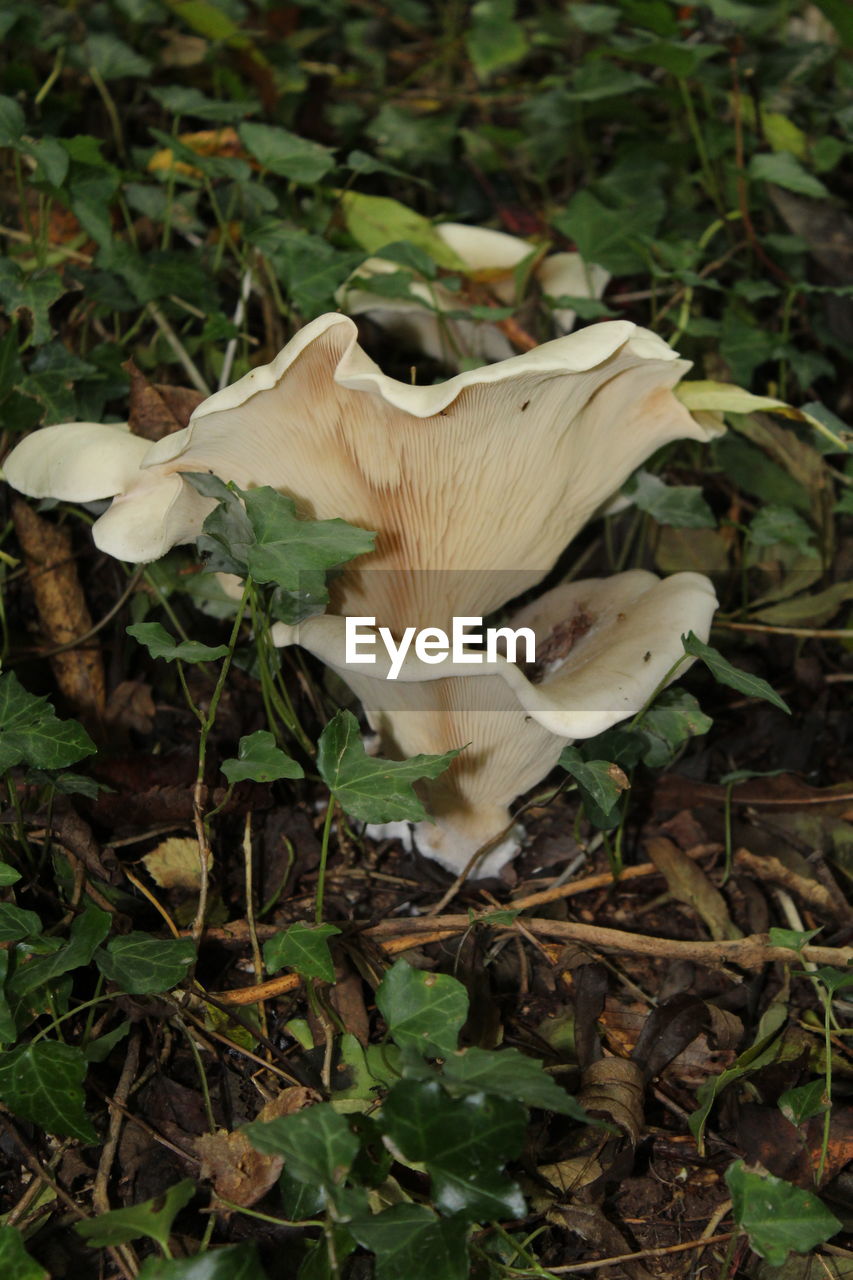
[485, 477]
[603, 647]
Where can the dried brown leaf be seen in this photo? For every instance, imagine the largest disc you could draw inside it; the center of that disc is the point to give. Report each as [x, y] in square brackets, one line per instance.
[238, 1172]
[688, 883]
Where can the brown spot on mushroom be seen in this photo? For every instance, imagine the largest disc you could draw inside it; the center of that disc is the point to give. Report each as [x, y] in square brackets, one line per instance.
[524, 406]
[559, 644]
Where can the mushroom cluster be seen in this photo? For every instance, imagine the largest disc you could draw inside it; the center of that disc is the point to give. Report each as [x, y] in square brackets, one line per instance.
[474, 487]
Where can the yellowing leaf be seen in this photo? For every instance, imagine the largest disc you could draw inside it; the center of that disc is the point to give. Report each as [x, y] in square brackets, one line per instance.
[174, 864]
[376, 221]
[724, 397]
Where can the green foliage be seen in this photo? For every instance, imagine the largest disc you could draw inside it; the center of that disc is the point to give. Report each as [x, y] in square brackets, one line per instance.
[15, 1262]
[723, 671]
[778, 1218]
[424, 1011]
[43, 1082]
[32, 733]
[368, 788]
[260, 760]
[153, 1218]
[160, 644]
[302, 947]
[140, 964]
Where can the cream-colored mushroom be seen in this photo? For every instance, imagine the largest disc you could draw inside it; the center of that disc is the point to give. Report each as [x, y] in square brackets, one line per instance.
[603, 648]
[474, 485]
[490, 258]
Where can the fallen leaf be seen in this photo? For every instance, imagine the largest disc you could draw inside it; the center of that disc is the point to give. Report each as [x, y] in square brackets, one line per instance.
[238, 1172]
[174, 864]
[63, 611]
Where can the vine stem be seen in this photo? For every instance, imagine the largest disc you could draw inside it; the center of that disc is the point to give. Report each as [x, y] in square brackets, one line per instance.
[324, 855]
[198, 789]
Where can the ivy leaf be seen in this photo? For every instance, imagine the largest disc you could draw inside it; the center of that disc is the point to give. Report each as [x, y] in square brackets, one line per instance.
[142, 965]
[494, 40]
[152, 1218]
[160, 644]
[15, 923]
[424, 1011]
[32, 734]
[43, 1082]
[775, 524]
[34, 294]
[778, 1217]
[286, 154]
[15, 1262]
[410, 1240]
[681, 506]
[317, 1144]
[260, 760]
[674, 718]
[12, 122]
[464, 1144]
[724, 673]
[233, 1262]
[800, 1104]
[785, 170]
[303, 947]
[8, 875]
[87, 933]
[368, 788]
[287, 547]
[507, 1073]
[180, 100]
[600, 781]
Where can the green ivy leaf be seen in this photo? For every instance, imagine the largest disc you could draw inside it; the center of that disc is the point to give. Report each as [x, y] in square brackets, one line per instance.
[317, 1144]
[411, 1241]
[34, 294]
[160, 644]
[87, 933]
[43, 1082]
[15, 1262]
[599, 780]
[612, 238]
[152, 1218]
[260, 760]
[15, 923]
[31, 732]
[112, 58]
[464, 1144]
[781, 524]
[674, 717]
[495, 40]
[8, 875]
[12, 122]
[142, 965]
[286, 154]
[424, 1011]
[723, 672]
[181, 100]
[799, 1105]
[233, 1262]
[681, 506]
[508, 1073]
[286, 547]
[368, 788]
[785, 170]
[303, 947]
[778, 1217]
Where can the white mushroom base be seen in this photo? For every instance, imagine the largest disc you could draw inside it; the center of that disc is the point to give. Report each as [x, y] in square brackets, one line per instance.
[447, 847]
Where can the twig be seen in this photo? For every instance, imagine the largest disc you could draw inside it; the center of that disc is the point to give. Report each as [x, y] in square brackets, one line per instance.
[100, 1194]
[661, 1251]
[179, 349]
[817, 633]
[239, 315]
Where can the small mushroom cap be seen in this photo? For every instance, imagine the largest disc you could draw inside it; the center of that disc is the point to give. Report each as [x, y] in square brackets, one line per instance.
[76, 461]
[491, 257]
[612, 642]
